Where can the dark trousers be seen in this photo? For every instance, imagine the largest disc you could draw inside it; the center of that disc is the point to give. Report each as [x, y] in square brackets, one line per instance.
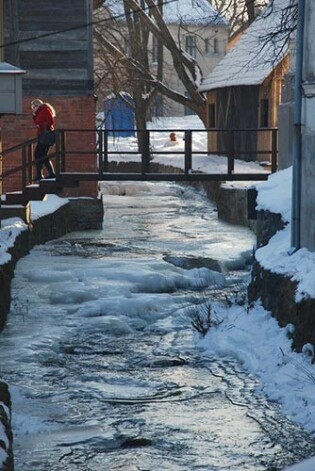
[40, 153]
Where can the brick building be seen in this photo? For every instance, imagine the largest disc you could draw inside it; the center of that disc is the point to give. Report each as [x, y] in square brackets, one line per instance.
[52, 42]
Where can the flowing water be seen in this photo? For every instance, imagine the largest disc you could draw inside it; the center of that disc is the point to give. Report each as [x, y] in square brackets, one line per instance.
[99, 348]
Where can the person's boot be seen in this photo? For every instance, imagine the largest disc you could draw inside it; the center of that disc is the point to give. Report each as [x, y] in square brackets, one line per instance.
[38, 178]
[50, 169]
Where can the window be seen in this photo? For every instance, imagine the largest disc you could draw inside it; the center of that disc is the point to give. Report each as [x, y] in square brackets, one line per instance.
[264, 113]
[191, 46]
[155, 47]
[207, 46]
[211, 115]
[211, 46]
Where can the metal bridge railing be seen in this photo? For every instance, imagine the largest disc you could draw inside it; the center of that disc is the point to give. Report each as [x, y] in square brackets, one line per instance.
[73, 145]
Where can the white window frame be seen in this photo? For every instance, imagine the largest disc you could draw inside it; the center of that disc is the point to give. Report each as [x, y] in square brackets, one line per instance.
[191, 48]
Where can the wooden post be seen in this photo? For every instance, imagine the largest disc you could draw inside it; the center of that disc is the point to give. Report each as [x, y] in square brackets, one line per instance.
[188, 152]
[1, 188]
[0, 164]
[61, 151]
[24, 164]
[230, 152]
[274, 151]
[105, 150]
[145, 143]
[100, 152]
[30, 163]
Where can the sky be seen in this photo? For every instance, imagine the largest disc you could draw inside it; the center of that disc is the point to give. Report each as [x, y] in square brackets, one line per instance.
[251, 335]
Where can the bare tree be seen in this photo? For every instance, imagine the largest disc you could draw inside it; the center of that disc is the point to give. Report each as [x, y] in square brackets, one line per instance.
[124, 43]
[239, 12]
[124, 51]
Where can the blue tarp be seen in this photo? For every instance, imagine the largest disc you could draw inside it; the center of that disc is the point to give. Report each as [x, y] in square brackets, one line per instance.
[119, 115]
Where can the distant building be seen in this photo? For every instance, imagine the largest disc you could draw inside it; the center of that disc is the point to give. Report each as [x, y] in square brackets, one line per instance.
[119, 115]
[199, 29]
[244, 89]
[52, 42]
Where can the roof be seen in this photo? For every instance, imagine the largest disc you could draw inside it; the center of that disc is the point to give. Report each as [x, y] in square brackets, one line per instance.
[192, 12]
[180, 11]
[255, 55]
[6, 68]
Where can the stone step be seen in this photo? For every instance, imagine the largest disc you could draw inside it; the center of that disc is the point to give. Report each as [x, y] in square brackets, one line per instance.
[69, 180]
[16, 197]
[33, 192]
[53, 186]
[16, 211]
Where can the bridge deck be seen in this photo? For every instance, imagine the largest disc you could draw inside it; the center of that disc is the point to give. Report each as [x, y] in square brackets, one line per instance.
[69, 177]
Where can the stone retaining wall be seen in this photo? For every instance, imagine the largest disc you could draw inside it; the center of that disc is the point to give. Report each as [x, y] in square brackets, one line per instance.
[78, 214]
[277, 292]
[5, 421]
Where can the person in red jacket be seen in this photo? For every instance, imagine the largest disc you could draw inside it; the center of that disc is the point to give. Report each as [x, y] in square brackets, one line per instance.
[44, 118]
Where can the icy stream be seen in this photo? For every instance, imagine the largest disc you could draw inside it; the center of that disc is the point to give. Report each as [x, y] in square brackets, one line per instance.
[99, 350]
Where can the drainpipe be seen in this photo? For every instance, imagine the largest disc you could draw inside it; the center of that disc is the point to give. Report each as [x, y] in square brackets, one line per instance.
[297, 137]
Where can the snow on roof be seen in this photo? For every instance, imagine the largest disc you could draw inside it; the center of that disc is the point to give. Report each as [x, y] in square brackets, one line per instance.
[6, 68]
[192, 11]
[181, 11]
[255, 55]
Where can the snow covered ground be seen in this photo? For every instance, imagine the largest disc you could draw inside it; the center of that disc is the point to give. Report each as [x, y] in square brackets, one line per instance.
[251, 335]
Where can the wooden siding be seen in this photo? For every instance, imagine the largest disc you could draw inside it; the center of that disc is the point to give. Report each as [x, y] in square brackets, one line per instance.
[58, 63]
[240, 107]
[237, 109]
[1, 30]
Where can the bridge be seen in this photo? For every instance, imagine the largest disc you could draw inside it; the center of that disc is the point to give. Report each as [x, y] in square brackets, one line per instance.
[230, 146]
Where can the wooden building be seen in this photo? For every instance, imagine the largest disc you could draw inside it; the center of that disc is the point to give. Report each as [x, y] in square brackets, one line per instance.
[52, 42]
[244, 89]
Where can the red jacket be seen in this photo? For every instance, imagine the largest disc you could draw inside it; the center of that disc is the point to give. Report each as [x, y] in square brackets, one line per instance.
[44, 118]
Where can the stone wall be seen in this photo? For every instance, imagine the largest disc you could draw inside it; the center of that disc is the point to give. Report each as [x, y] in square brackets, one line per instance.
[78, 214]
[277, 292]
[5, 421]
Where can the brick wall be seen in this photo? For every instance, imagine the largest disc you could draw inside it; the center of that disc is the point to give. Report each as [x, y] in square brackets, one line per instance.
[72, 112]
